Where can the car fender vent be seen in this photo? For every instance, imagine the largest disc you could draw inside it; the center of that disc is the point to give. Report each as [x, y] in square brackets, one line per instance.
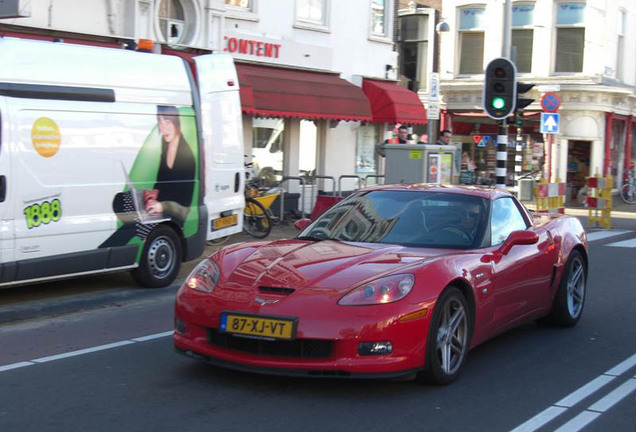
[276, 290]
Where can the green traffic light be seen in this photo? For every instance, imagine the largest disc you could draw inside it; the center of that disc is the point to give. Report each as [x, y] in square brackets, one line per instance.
[498, 103]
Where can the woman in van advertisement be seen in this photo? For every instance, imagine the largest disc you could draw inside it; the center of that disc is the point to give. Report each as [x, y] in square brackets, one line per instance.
[161, 184]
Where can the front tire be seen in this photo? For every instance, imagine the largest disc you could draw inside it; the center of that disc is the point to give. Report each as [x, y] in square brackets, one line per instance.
[448, 338]
[628, 194]
[570, 297]
[256, 221]
[160, 259]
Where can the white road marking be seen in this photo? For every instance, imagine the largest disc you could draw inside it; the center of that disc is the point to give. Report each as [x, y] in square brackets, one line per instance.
[598, 408]
[84, 351]
[599, 235]
[614, 397]
[540, 419]
[581, 393]
[622, 367]
[625, 243]
[15, 366]
[579, 422]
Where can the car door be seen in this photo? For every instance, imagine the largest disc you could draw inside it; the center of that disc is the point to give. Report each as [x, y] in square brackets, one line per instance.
[519, 277]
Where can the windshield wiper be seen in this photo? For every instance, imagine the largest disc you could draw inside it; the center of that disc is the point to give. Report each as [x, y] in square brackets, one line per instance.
[311, 238]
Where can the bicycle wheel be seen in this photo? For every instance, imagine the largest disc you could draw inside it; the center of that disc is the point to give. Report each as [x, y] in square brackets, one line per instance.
[256, 221]
[628, 194]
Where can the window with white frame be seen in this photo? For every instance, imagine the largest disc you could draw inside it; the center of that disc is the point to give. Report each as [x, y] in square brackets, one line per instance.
[620, 44]
[380, 18]
[172, 21]
[522, 36]
[242, 4]
[570, 37]
[311, 12]
[471, 40]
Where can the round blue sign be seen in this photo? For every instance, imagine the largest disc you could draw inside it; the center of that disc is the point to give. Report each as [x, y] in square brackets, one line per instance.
[550, 102]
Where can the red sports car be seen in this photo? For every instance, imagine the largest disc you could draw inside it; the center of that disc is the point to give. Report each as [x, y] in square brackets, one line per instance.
[393, 280]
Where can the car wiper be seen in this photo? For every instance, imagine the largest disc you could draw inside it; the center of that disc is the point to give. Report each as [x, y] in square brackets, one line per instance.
[311, 238]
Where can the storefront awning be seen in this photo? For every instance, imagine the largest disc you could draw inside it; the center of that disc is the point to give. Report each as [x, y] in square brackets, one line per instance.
[280, 92]
[391, 103]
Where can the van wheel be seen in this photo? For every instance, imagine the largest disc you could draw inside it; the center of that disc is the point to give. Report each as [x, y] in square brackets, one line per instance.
[160, 259]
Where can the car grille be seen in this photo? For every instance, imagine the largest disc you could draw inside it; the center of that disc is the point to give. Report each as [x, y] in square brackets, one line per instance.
[299, 348]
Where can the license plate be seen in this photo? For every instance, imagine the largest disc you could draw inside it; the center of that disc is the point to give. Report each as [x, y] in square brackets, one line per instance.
[224, 222]
[260, 326]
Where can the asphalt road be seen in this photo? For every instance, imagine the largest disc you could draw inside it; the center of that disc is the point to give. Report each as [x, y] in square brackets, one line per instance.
[94, 370]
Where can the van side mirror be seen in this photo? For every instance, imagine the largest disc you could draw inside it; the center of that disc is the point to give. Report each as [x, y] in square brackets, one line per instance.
[301, 224]
[523, 237]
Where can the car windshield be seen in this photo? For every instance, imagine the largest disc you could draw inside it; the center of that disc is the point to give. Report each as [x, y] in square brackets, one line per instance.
[408, 218]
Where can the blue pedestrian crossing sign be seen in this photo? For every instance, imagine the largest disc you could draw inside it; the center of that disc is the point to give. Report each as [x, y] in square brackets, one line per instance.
[549, 123]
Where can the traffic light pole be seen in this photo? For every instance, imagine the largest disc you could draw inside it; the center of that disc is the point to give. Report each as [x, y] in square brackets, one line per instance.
[502, 154]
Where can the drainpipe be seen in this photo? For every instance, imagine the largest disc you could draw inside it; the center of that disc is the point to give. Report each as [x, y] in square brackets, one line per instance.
[628, 143]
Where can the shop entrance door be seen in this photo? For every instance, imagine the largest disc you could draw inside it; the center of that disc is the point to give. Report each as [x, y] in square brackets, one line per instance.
[578, 171]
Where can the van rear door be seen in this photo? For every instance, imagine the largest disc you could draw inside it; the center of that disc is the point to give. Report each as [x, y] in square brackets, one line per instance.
[222, 135]
[7, 232]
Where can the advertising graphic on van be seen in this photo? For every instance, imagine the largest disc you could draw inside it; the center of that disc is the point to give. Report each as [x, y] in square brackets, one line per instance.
[43, 213]
[162, 183]
[46, 137]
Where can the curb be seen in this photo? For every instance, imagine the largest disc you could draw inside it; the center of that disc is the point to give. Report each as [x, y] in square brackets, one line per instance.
[77, 303]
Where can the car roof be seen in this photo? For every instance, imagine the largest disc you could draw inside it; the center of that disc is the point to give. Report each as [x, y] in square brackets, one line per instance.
[478, 191]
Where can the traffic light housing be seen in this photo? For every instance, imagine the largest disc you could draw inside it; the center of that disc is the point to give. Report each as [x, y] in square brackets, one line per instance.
[500, 88]
[521, 101]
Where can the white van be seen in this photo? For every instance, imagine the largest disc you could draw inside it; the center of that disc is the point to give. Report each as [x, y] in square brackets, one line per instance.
[113, 160]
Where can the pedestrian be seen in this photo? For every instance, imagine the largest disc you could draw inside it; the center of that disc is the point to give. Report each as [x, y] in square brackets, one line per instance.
[445, 137]
[403, 134]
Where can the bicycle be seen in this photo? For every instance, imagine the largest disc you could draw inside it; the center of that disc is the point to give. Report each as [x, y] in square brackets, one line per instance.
[257, 216]
[628, 190]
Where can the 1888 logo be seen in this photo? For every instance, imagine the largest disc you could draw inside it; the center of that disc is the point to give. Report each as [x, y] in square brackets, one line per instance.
[43, 213]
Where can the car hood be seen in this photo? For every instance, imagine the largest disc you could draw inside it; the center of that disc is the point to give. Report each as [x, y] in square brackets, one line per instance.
[325, 265]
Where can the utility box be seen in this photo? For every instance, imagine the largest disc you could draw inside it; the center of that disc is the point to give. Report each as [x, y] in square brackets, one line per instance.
[421, 163]
[526, 189]
[15, 8]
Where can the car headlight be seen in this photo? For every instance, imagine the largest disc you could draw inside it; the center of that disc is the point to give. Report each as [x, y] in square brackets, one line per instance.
[204, 277]
[384, 290]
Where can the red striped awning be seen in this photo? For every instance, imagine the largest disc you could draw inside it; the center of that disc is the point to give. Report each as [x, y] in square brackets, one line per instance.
[392, 103]
[282, 92]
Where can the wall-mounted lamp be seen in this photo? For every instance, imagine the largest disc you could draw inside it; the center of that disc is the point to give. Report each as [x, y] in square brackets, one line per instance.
[442, 27]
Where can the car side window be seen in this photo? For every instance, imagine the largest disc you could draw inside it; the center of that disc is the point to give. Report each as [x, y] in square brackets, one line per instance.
[505, 218]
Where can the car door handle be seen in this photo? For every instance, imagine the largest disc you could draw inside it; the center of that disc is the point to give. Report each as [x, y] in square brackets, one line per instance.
[3, 188]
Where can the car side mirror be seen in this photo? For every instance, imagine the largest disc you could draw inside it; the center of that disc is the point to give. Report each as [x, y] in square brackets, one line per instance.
[301, 224]
[523, 237]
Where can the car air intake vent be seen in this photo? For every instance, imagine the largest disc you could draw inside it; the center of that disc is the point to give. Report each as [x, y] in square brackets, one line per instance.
[298, 348]
[274, 290]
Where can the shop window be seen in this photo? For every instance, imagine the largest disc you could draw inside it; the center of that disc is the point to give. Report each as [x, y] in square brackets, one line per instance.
[365, 150]
[522, 36]
[570, 37]
[267, 148]
[311, 14]
[471, 40]
[380, 18]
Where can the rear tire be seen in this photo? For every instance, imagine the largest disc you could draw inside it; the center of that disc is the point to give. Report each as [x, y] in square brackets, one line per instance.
[256, 221]
[570, 297]
[448, 338]
[160, 259]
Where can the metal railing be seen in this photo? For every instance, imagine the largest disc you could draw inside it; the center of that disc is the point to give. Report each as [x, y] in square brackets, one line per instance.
[353, 176]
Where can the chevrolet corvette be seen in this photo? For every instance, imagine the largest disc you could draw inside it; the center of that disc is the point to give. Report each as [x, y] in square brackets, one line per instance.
[392, 281]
